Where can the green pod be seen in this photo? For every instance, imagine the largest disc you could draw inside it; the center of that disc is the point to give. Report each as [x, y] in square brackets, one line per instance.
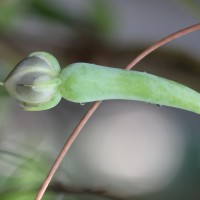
[83, 82]
[38, 83]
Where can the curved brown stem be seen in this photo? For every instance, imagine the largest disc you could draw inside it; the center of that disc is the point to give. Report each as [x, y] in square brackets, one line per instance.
[161, 42]
[65, 148]
[97, 104]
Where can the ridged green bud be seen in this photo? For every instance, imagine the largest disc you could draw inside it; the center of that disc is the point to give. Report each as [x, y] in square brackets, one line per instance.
[34, 82]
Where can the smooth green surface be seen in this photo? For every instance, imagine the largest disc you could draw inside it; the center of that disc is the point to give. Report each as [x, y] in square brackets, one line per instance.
[38, 84]
[83, 82]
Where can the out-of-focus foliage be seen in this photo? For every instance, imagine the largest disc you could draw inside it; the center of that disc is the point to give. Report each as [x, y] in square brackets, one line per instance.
[101, 17]
[22, 195]
[10, 10]
[98, 20]
[193, 5]
[23, 183]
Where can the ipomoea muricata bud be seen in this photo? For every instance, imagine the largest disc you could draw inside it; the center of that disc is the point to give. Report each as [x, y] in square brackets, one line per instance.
[34, 82]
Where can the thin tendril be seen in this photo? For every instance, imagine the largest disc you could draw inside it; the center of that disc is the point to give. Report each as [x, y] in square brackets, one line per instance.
[95, 105]
[66, 148]
[161, 42]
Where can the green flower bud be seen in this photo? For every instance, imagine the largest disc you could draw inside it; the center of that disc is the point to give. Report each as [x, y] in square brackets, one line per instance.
[34, 82]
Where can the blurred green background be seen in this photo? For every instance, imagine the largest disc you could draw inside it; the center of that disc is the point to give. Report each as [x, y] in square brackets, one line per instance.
[128, 150]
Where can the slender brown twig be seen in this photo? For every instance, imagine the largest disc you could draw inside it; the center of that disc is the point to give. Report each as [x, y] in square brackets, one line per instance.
[161, 42]
[97, 104]
[66, 148]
